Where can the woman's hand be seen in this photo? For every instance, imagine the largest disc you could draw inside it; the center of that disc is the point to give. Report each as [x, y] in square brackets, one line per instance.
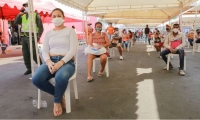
[50, 65]
[57, 66]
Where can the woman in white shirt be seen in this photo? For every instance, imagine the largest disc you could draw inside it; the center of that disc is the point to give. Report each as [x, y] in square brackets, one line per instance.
[59, 47]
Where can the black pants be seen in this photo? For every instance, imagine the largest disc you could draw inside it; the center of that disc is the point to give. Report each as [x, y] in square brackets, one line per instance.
[26, 52]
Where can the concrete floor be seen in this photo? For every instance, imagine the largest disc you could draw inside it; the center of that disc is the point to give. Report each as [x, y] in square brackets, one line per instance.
[137, 88]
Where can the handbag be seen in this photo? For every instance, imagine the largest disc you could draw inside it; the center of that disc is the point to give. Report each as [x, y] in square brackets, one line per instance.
[175, 43]
[95, 51]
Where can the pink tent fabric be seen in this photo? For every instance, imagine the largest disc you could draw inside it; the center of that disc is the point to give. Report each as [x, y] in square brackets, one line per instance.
[4, 30]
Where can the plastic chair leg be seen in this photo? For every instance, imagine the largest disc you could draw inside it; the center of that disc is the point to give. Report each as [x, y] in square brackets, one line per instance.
[67, 99]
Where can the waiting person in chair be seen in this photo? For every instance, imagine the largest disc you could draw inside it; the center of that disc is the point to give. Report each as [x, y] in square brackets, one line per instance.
[23, 20]
[174, 43]
[59, 47]
[117, 42]
[101, 39]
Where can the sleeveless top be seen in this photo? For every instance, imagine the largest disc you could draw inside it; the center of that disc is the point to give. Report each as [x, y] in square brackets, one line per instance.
[125, 37]
[99, 40]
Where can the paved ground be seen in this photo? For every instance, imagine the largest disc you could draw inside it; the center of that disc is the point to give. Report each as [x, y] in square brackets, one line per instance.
[137, 88]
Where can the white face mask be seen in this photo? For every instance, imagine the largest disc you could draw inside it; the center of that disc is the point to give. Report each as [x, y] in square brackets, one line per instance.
[175, 30]
[26, 9]
[58, 21]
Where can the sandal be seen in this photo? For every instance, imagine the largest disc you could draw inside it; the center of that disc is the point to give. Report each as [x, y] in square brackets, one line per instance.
[100, 73]
[89, 79]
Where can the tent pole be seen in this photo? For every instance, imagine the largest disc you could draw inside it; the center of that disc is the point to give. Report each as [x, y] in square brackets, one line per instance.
[86, 29]
[30, 35]
[35, 35]
[180, 18]
[83, 27]
[194, 43]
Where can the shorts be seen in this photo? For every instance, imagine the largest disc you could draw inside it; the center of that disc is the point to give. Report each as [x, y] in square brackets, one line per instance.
[115, 45]
[102, 54]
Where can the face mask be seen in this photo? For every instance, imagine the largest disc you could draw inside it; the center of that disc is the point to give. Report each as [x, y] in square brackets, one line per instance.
[116, 32]
[175, 30]
[26, 9]
[57, 21]
[98, 29]
[167, 28]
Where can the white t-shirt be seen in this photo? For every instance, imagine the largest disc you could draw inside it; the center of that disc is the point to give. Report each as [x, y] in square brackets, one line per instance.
[60, 42]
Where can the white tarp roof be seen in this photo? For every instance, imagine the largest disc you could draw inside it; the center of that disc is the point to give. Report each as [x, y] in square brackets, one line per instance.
[106, 5]
[153, 10]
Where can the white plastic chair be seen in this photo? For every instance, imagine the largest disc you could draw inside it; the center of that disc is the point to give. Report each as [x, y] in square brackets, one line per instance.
[67, 92]
[169, 56]
[106, 67]
[198, 47]
[112, 51]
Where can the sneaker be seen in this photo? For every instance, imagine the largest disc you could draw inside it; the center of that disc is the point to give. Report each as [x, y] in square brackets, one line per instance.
[27, 72]
[170, 67]
[121, 58]
[181, 73]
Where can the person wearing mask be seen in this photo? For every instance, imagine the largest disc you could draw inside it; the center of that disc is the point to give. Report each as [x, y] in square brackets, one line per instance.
[59, 47]
[168, 30]
[190, 37]
[125, 40]
[146, 31]
[157, 41]
[22, 18]
[197, 36]
[101, 39]
[117, 42]
[110, 30]
[174, 43]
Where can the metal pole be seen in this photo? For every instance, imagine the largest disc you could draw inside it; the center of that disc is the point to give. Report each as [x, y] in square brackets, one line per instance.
[86, 29]
[194, 43]
[180, 17]
[83, 27]
[30, 35]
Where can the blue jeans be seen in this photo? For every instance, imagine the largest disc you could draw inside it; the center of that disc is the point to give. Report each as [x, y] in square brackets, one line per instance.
[191, 42]
[125, 43]
[146, 37]
[42, 76]
[181, 57]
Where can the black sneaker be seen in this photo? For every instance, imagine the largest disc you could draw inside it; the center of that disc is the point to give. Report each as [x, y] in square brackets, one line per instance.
[27, 72]
[170, 67]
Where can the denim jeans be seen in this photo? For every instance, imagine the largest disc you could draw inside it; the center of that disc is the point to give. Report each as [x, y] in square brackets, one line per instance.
[125, 44]
[181, 57]
[146, 37]
[191, 42]
[42, 76]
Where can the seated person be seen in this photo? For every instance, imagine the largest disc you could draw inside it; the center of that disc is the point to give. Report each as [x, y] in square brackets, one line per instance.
[117, 42]
[102, 40]
[198, 36]
[191, 37]
[174, 43]
[157, 41]
[125, 40]
[4, 46]
[150, 37]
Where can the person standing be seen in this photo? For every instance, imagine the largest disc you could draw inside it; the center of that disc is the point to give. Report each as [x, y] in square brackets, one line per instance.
[22, 18]
[146, 31]
[110, 30]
